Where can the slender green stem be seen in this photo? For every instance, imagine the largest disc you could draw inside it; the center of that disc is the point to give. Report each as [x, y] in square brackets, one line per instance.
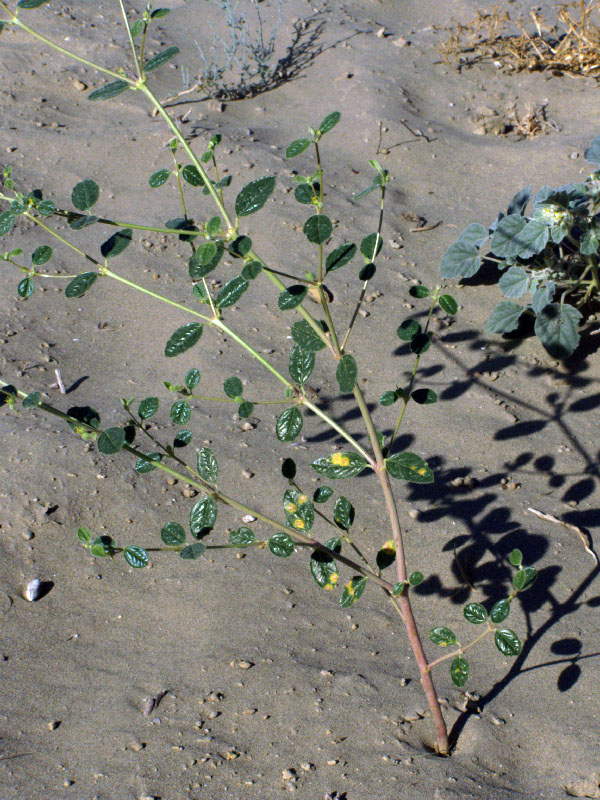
[407, 391]
[110, 274]
[16, 21]
[136, 62]
[316, 410]
[61, 239]
[255, 354]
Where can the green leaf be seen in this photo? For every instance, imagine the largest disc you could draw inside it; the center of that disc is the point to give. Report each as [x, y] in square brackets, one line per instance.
[416, 578]
[31, 3]
[420, 343]
[302, 363]
[148, 407]
[103, 547]
[386, 555]
[408, 329]
[136, 556]
[556, 326]
[7, 220]
[291, 297]
[296, 147]
[299, 511]
[118, 242]
[409, 467]
[208, 468]
[388, 398]
[161, 58]
[353, 591]
[191, 175]
[504, 318]
[46, 208]
[507, 642]
[442, 636]
[420, 291]
[172, 534]
[213, 226]
[340, 465]
[145, 465]
[317, 228]
[371, 246]
[524, 578]
[500, 611]
[289, 424]
[84, 535]
[304, 194]
[32, 400]
[205, 259]
[448, 304]
[78, 222]
[231, 292]
[346, 374]
[343, 513]
[180, 412]
[85, 194]
[183, 338]
[367, 272]
[240, 247]
[136, 28]
[182, 439]
[475, 613]
[192, 551]
[340, 257]
[330, 121]
[245, 409]
[79, 285]
[424, 397]
[242, 537]
[282, 545]
[515, 557]
[306, 338]
[111, 441]
[203, 517]
[514, 282]
[25, 288]
[159, 12]
[233, 388]
[399, 588]
[41, 255]
[192, 378]
[461, 260]
[459, 671]
[254, 195]
[323, 567]
[252, 270]
[322, 494]
[158, 178]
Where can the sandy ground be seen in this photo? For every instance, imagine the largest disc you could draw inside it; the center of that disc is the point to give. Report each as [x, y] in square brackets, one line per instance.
[331, 704]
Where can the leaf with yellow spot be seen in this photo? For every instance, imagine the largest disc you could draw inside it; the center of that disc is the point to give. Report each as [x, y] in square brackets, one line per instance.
[340, 465]
[352, 591]
[299, 511]
[409, 467]
[323, 567]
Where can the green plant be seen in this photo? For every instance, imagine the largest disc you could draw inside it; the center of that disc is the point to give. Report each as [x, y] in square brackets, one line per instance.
[208, 241]
[552, 254]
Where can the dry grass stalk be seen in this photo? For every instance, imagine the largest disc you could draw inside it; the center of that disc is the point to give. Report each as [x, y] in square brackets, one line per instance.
[532, 122]
[571, 45]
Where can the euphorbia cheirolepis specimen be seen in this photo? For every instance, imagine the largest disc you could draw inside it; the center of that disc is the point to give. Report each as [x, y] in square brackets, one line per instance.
[329, 536]
[549, 256]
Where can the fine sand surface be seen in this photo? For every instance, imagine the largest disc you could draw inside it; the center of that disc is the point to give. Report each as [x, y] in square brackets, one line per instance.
[271, 688]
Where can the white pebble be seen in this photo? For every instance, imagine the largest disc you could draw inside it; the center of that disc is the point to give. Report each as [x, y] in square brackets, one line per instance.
[32, 590]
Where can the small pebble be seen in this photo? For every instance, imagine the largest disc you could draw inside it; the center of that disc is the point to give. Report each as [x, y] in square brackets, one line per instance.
[28, 535]
[248, 426]
[241, 663]
[288, 774]
[32, 590]
[247, 474]
[413, 513]
[53, 724]
[248, 518]
[213, 714]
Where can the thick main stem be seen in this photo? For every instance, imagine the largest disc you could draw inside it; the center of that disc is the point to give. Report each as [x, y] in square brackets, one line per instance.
[442, 744]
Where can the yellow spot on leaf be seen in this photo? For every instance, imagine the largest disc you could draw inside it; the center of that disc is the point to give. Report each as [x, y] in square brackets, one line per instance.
[422, 471]
[340, 460]
[290, 508]
[334, 578]
[299, 523]
[302, 499]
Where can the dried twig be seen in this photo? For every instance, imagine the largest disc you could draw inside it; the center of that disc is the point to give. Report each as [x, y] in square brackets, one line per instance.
[587, 542]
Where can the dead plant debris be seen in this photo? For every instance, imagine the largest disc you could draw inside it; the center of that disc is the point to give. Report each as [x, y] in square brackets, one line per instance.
[570, 45]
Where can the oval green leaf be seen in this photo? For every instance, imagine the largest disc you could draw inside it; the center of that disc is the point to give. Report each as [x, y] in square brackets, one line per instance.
[317, 228]
[32, 400]
[111, 441]
[118, 242]
[172, 534]
[340, 257]
[340, 465]
[148, 407]
[85, 194]
[41, 255]
[161, 58]
[208, 469]
[500, 611]
[231, 292]
[183, 338]
[254, 195]
[25, 288]
[424, 397]
[282, 545]
[158, 178]
[448, 304]
[419, 291]
[459, 671]
[136, 556]
[192, 551]
[353, 591]
[7, 220]
[343, 513]
[302, 363]
[233, 388]
[507, 642]
[371, 246]
[322, 494]
[291, 297]
[109, 90]
[289, 424]
[296, 147]
[408, 329]
[475, 613]
[145, 465]
[346, 374]
[203, 517]
[409, 467]
[191, 175]
[330, 121]
[242, 537]
[556, 326]
[442, 636]
[180, 412]
[306, 338]
[79, 285]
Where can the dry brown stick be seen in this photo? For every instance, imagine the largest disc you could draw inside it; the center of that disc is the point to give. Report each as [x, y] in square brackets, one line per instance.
[583, 536]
